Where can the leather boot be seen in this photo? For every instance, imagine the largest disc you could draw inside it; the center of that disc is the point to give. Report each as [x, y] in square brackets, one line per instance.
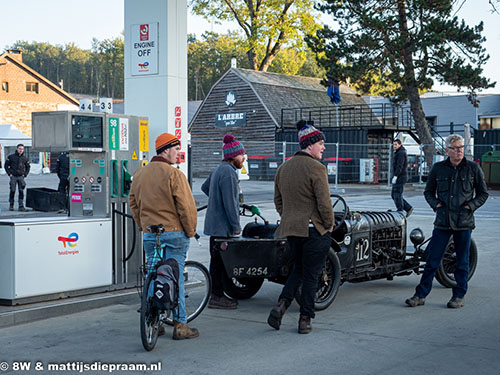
[182, 331]
[277, 312]
[305, 324]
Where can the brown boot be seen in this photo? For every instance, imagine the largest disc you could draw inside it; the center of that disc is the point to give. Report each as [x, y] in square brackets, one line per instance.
[277, 312]
[223, 302]
[182, 331]
[305, 324]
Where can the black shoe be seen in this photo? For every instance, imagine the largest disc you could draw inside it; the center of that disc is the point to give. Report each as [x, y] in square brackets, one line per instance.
[305, 325]
[11, 208]
[415, 301]
[22, 209]
[223, 302]
[276, 314]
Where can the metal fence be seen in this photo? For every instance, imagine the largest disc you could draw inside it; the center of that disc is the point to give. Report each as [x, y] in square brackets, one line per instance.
[345, 163]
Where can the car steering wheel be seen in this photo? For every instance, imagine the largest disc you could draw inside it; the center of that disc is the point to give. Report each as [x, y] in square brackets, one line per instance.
[342, 211]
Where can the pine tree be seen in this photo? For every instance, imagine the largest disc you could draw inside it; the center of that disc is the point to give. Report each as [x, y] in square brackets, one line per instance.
[407, 41]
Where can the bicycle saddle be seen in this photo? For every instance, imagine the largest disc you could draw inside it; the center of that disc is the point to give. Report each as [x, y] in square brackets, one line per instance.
[156, 229]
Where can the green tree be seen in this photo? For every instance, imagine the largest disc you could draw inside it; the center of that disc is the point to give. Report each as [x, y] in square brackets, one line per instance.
[95, 72]
[267, 25]
[408, 42]
[210, 57]
[109, 71]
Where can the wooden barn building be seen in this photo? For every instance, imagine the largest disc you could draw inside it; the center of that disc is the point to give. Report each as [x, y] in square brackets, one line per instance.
[261, 109]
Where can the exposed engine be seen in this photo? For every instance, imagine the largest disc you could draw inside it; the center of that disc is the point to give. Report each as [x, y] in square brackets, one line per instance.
[388, 236]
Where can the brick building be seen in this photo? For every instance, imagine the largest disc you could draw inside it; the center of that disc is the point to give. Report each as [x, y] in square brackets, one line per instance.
[24, 91]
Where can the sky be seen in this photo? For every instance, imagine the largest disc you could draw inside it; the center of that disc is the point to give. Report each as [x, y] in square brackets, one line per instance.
[66, 21]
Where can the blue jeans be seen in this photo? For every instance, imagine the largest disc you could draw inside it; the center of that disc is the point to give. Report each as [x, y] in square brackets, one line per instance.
[176, 245]
[436, 250]
[397, 197]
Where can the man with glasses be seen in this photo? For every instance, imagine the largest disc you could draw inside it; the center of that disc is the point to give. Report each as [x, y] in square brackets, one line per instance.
[455, 189]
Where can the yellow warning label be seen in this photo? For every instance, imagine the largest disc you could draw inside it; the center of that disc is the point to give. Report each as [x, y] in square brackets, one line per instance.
[243, 170]
[134, 156]
[143, 135]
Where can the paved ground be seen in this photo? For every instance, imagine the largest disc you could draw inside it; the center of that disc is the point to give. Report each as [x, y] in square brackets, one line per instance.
[367, 330]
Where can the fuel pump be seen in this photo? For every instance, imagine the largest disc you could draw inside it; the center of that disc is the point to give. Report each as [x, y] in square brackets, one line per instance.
[104, 151]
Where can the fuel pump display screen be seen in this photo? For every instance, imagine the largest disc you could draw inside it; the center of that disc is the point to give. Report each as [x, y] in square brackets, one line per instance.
[86, 132]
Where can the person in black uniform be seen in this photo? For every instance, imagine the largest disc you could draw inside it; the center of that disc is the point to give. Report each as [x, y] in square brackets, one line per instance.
[17, 167]
[400, 177]
[62, 168]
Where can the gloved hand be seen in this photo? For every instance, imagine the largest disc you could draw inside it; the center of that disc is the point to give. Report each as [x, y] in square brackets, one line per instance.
[394, 179]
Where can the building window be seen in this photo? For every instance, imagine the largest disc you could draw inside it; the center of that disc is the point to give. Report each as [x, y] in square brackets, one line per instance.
[5, 86]
[32, 87]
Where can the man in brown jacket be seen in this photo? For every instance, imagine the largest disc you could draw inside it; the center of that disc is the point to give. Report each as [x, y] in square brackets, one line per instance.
[302, 198]
[160, 194]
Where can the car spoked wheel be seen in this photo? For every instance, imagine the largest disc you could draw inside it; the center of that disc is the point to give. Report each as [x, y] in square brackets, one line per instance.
[241, 288]
[328, 282]
[445, 274]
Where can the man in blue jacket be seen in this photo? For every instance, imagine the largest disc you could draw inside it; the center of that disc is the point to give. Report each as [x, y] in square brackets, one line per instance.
[222, 219]
[455, 189]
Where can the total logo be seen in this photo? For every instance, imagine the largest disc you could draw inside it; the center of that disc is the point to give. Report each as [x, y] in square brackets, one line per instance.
[144, 66]
[70, 240]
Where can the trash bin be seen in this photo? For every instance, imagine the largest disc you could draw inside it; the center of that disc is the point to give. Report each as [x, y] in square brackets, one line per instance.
[44, 199]
[490, 162]
[257, 167]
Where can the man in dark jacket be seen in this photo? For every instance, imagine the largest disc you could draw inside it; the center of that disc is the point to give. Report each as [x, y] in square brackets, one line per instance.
[455, 189]
[62, 169]
[17, 167]
[302, 198]
[400, 177]
[222, 219]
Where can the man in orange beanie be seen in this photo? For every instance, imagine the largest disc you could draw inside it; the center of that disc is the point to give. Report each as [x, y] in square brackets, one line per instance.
[160, 194]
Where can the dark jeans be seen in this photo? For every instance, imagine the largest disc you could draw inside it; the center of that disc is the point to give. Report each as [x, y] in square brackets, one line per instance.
[19, 181]
[397, 197]
[437, 247]
[217, 270]
[310, 256]
[63, 192]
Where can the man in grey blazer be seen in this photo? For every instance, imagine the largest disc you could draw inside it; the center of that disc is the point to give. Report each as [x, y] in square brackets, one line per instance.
[302, 198]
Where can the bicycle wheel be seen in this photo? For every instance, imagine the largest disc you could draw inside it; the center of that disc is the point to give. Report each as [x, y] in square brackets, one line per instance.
[197, 286]
[150, 319]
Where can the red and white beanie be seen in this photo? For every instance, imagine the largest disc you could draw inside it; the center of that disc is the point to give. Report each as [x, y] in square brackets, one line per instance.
[308, 134]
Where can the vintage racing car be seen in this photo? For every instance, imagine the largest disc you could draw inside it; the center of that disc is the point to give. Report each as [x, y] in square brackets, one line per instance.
[366, 245]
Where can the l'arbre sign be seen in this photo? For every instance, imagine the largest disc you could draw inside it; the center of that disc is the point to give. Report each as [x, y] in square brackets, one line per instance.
[144, 49]
[231, 119]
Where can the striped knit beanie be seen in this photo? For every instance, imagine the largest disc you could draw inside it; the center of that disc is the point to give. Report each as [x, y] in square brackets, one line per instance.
[308, 134]
[231, 147]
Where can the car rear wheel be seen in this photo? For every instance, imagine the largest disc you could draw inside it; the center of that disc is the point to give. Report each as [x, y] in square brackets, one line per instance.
[445, 273]
[241, 288]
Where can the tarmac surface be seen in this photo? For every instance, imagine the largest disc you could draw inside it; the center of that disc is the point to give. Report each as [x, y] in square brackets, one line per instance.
[367, 330]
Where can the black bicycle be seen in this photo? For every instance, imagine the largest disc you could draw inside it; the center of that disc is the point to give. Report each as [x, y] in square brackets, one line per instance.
[197, 287]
